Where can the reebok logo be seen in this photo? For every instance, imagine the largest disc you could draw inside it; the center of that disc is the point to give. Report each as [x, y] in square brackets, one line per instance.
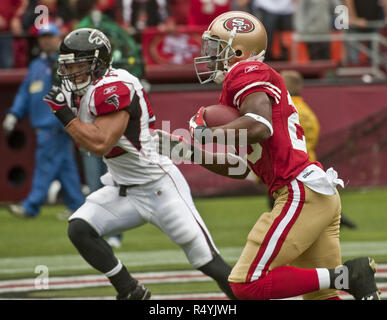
[251, 68]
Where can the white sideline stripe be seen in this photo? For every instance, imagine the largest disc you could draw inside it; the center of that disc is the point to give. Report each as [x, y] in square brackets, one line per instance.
[74, 262]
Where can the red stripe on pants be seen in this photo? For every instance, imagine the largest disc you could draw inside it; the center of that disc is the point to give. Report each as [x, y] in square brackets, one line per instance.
[268, 237]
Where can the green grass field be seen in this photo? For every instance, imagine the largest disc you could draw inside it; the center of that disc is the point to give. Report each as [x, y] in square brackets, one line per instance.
[25, 243]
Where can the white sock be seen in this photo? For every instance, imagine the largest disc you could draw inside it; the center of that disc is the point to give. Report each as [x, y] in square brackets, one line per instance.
[324, 279]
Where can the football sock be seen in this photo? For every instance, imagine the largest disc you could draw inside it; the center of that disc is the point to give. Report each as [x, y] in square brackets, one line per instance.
[123, 282]
[97, 252]
[219, 270]
[281, 282]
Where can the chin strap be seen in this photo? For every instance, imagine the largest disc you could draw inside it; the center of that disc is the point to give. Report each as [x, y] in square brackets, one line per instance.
[219, 76]
[259, 57]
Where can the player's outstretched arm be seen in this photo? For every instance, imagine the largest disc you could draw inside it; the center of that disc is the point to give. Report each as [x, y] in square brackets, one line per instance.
[253, 126]
[178, 149]
[255, 117]
[225, 164]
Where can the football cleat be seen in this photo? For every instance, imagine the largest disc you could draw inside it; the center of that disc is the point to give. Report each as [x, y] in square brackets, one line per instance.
[361, 279]
[139, 293]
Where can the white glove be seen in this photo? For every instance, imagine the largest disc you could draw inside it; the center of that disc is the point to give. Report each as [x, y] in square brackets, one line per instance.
[9, 122]
[174, 147]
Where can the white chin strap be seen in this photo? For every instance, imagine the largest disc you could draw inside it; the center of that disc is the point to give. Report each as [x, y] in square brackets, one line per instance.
[219, 76]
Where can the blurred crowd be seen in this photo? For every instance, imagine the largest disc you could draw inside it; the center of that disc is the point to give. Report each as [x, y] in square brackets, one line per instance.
[19, 19]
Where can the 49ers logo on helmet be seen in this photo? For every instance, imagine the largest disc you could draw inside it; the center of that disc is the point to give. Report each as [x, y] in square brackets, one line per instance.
[242, 25]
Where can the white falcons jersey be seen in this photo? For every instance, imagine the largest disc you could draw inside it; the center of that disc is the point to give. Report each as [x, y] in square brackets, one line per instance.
[134, 159]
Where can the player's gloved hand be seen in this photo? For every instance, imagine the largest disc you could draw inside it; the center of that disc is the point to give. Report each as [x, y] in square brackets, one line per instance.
[55, 98]
[9, 123]
[57, 101]
[175, 147]
[198, 127]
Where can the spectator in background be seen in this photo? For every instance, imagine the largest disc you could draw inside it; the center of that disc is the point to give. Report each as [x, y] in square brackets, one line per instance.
[314, 17]
[10, 25]
[361, 16]
[126, 52]
[241, 5]
[107, 7]
[275, 15]
[61, 12]
[54, 158]
[140, 14]
[308, 120]
[201, 13]
[179, 11]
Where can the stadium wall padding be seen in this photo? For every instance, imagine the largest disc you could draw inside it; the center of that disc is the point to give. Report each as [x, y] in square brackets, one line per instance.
[341, 111]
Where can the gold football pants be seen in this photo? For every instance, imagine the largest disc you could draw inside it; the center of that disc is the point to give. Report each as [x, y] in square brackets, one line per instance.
[302, 230]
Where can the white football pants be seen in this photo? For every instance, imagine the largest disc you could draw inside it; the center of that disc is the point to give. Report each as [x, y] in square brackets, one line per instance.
[166, 203]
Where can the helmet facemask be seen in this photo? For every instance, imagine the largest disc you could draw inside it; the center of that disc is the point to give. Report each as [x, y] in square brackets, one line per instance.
[216, 54]
[92, 66]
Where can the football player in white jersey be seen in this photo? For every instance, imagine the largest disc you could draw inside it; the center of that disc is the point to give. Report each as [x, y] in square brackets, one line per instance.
[107, 112]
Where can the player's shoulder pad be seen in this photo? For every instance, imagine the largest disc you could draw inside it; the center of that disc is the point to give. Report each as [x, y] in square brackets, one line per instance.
[110, 97]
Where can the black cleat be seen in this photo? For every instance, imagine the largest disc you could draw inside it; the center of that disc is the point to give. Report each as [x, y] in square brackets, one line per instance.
[139, 293]
[361, 279]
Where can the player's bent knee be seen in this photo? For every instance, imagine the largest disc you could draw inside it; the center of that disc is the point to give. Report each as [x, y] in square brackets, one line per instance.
[249, 291]
[79, 230]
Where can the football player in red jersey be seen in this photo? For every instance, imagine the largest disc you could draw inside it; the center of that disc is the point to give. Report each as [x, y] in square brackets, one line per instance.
[294, 249]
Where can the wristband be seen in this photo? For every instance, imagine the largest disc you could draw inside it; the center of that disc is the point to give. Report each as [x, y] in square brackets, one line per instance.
[65, 115]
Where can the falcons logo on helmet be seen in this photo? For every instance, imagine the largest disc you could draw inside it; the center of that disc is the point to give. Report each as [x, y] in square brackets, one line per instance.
[98, 38]
[113, 99]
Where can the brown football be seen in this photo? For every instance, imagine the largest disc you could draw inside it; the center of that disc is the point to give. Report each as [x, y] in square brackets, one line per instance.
[218, 115]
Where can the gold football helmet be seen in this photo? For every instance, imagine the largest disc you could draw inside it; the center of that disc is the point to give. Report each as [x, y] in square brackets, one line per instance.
[231, 37]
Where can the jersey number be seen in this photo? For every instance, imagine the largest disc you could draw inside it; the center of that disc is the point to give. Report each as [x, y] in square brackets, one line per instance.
[295, 132]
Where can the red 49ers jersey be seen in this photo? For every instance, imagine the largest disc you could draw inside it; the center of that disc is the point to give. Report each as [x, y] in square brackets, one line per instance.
[279, 159]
